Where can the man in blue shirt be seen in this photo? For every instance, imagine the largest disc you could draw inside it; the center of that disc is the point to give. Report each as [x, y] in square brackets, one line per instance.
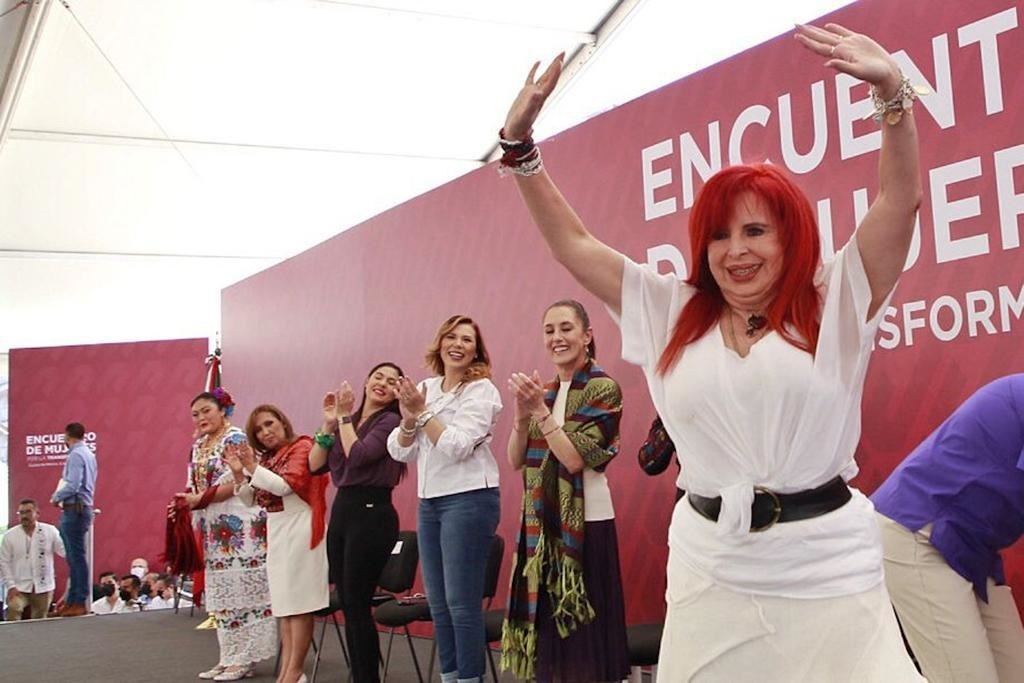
[945, 513]
[74, 495]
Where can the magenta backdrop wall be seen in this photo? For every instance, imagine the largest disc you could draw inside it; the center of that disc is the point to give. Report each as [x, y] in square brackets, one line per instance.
[133, 400]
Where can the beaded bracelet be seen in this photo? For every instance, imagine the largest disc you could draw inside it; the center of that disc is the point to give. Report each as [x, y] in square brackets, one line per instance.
[325, 441]
[521, 157]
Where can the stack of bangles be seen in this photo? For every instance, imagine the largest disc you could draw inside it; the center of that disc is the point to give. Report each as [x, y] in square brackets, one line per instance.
[325, 441]
[422, 419]
[521, 157]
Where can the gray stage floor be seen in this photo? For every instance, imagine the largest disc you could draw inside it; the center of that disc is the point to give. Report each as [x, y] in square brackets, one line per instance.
[157, 646]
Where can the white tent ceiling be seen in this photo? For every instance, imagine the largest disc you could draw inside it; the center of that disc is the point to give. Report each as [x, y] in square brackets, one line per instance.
[153, 152]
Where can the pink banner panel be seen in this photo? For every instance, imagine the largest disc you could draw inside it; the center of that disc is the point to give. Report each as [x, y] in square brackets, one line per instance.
[133, 400]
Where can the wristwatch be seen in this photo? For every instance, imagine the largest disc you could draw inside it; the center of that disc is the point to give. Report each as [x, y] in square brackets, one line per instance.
[423, 418]
[346, 419]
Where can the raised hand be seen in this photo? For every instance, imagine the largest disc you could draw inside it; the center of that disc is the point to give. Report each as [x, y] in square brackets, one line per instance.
[346, 399]
[243, 453]
[529, 394]
[530, 100]
[853, 53]
[411, 402]
[234, 463]
[330, 408]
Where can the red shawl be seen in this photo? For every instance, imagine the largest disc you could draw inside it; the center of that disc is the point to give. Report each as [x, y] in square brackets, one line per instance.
[291, 463]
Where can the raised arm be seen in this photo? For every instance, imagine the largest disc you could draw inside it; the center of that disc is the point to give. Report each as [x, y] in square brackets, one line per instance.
[884, 236]
[595, 265]
[318, 454]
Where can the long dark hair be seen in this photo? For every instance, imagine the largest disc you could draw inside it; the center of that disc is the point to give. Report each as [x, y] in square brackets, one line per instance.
[391, 407]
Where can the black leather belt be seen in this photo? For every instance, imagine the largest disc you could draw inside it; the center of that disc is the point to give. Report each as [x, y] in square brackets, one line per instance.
[74, 506]
[770, 507]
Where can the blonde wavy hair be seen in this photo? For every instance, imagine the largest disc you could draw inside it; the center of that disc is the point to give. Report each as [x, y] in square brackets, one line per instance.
[480, 368]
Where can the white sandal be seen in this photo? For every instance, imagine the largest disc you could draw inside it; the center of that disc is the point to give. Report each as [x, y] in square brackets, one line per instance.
[234, 673]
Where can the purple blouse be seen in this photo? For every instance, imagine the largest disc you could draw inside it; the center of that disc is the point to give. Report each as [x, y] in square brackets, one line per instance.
[369, 463]
[967, 479]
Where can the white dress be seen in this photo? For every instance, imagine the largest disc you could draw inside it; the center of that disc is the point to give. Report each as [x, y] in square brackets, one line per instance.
[297, 573]
[801, 601]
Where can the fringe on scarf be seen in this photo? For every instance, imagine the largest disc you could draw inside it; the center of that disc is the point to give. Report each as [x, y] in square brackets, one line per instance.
[570, 608]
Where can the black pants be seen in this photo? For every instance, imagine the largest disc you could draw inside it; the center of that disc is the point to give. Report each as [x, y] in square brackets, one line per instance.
[361, 535]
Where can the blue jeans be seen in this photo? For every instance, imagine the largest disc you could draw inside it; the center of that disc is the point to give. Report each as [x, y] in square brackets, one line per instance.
[73, 528]
[455, 534]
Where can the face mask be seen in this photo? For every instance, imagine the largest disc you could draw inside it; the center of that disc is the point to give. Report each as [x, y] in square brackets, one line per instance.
[138, 571]
[107, 589]
[125, 595]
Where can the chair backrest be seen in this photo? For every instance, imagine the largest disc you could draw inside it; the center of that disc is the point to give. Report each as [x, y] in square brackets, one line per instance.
[399, 572]
[494, 562]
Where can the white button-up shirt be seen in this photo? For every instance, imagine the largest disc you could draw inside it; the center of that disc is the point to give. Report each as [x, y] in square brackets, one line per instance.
[26, 562]
[461, 460]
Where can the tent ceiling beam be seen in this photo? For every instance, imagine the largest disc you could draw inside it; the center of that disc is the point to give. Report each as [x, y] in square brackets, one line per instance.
[28, 41]
[615, 18]
[142, 140]
[580, 37]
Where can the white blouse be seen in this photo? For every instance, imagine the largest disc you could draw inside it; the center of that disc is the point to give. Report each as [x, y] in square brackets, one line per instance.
[778, 418]
[461, 460]
[597, 497]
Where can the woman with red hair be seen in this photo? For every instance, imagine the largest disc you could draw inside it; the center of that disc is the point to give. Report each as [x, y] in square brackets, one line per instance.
[756, 364]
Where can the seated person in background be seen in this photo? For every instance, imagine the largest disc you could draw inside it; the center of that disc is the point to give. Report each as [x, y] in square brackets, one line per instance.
[116, 597]
[945, 514]
[139, 568]
[146, 591]
[106, 590]
[129, 592]
[161, 594]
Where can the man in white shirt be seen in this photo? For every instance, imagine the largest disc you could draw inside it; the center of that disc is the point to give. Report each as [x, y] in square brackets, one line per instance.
[26, 563]
[162, 595]
[115, 600]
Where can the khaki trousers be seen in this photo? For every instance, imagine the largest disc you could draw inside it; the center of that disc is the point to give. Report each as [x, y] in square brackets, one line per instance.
[39, 602]
[956, 636]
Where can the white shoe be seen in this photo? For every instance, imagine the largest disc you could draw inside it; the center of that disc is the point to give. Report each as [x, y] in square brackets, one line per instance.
[234, 673]
[212, 673]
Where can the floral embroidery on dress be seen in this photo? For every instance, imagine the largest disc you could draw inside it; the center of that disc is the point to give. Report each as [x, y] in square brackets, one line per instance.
[235, 545]
[258, 531]
[227, 532]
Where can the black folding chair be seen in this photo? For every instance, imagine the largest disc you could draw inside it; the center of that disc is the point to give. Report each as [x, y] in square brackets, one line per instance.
[395, 606]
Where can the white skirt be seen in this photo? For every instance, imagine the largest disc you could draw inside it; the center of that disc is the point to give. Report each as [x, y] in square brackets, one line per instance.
[716, 634]
[297, 574]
